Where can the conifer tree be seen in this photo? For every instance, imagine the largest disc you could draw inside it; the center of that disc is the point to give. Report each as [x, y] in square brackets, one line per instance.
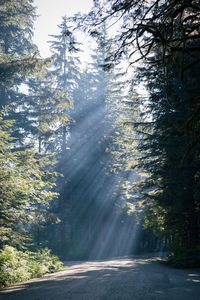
[90, 187]
[164, 35]
[65, 71]
[19, 58]
[25, 190]
[46, 108]
[26, 182]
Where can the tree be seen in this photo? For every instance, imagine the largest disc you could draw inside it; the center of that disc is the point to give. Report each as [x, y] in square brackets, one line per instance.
[19, 59]
[25, 190]
[90, 188]
[164, 35]
[26, 180]
[65, 71]
[174, 165]
[45, 108]
[170, 24]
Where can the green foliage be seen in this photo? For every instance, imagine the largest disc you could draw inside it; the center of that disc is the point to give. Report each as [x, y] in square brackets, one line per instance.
[26, 189]
[19, 57]
[27, 178]
[19, 60]
[45, 109]
[187, 258]
[168, 158]
[164, 36]
[155, 220]
[66, 63]
[17, 266]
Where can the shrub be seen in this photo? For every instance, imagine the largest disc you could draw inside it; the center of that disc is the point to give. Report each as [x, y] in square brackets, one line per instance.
[17, 266]
[188, 258]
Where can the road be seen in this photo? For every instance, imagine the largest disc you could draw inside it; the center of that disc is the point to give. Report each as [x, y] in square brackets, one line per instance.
[124, 278]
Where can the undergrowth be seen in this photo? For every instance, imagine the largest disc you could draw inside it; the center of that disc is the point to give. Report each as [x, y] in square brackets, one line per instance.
[189, 258]
[17, 266]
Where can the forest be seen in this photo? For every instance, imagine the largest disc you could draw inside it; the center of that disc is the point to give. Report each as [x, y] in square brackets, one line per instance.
[99, 160]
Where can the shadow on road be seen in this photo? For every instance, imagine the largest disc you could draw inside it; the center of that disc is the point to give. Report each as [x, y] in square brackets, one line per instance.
[121, 279]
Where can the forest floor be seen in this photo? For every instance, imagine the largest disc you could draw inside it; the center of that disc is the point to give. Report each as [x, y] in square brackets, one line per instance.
[125, 278]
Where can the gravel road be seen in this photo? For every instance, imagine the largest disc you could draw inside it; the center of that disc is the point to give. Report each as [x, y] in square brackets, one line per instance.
[125, 278]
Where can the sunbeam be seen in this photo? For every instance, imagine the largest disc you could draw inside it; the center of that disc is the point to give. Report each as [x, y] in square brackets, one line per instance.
[98, 218]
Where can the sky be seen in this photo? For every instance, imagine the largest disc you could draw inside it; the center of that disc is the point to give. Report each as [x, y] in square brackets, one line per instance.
[50, 15]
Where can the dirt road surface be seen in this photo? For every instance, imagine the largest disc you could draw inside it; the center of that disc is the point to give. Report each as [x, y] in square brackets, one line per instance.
[117, 279]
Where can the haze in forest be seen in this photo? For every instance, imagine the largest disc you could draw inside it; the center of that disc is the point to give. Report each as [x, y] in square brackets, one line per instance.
[49, 16]
[97, 161]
